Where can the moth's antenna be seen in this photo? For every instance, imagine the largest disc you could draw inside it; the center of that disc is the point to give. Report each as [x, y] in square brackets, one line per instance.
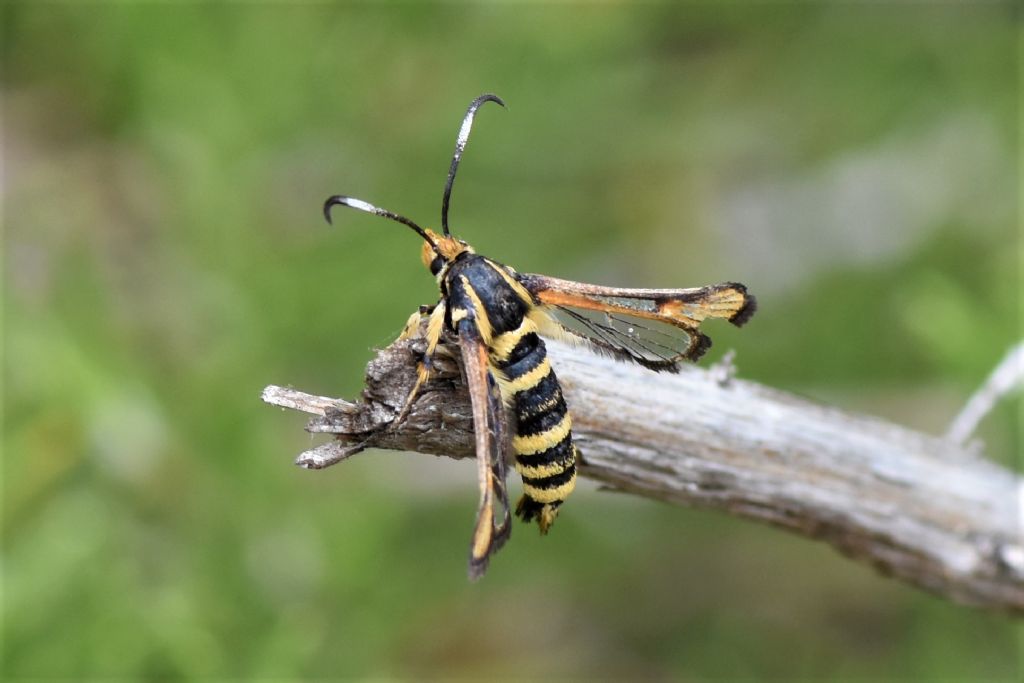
[460, 145]
[354, 203]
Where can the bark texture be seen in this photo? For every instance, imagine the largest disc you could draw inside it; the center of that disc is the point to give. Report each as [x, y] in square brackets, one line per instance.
[922, 509]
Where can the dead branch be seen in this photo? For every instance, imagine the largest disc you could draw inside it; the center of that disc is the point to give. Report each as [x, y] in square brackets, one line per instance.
[916, 507]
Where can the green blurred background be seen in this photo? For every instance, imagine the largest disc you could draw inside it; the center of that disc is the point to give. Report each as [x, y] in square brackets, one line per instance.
[165, 258]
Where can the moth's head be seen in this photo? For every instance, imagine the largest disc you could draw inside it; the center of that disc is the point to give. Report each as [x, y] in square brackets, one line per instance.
[444, 250]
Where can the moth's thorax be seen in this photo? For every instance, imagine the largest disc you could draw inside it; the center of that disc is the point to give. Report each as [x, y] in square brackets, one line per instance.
[487, 291]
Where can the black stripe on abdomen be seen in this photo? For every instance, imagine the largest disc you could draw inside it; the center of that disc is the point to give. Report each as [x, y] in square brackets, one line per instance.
[543, 446]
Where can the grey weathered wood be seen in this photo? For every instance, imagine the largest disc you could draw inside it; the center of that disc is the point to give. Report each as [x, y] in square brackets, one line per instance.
[1007, 377]
[919, 508]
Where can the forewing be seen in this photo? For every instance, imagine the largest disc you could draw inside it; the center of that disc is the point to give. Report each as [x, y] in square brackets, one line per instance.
[491, 434]
[656, 328]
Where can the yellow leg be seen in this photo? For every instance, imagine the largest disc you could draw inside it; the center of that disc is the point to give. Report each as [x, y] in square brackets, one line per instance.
[412, 326]
[433, 336]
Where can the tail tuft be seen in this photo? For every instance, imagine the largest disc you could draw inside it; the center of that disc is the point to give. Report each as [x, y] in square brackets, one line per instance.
[529, 509]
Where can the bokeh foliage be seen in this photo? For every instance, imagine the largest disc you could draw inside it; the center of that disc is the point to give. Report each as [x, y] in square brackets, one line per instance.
[164, 258]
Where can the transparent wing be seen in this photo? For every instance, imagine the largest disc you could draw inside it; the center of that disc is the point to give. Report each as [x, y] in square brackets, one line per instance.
[656, 328]
[655, 345]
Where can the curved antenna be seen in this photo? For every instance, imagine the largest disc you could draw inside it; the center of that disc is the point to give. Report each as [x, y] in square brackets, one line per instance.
[359, 204]
[460, 146]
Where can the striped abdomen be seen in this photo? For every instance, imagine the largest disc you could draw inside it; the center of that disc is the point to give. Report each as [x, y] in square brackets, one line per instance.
[544, 451]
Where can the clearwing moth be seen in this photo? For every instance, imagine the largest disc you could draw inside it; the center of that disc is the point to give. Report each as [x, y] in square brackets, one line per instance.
[497, 316]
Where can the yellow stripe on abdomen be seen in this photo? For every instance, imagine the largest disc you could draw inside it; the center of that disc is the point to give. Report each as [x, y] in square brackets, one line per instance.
[549, 469]
[553, 495]
[503, 344]
[538, 443]
[529, 379]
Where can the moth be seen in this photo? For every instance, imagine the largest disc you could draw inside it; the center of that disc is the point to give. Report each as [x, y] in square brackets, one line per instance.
[498, 317]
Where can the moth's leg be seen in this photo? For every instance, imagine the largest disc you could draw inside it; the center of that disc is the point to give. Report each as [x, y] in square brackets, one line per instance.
[412, 325]
[435, 324]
